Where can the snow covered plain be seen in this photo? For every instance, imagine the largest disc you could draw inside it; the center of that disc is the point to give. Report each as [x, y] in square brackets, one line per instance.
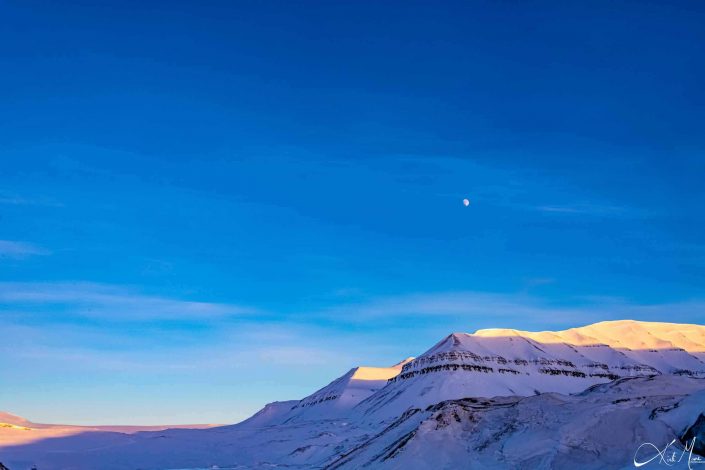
[581, 398]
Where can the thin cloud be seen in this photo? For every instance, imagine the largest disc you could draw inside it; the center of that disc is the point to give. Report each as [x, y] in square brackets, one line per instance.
[538, 281]
[95, 348]
[294, 355]
[19, 249]
[109, 302]
[476, 310]
[15, 200]
[583, 209]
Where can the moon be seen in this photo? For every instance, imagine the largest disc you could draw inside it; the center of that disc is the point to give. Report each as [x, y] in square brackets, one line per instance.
[466, 202]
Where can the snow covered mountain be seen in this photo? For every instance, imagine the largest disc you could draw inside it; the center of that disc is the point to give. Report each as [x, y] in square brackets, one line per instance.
[501, 362]
[17, 431]
[497, 398]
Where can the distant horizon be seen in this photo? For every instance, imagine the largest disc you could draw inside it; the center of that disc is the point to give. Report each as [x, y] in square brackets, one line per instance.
[206, 207]
[316, 387]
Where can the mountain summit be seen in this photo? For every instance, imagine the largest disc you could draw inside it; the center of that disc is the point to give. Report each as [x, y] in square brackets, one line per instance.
[506, 362]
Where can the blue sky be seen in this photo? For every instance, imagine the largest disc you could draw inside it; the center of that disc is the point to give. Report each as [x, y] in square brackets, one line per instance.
[206, 206]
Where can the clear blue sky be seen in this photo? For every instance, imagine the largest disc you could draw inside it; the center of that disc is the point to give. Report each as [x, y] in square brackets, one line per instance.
[206, 206]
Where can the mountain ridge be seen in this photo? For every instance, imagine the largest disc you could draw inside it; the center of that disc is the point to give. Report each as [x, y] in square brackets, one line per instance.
[496, 398]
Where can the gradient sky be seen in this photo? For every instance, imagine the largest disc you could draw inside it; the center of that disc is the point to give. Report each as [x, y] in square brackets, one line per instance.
[206, 206]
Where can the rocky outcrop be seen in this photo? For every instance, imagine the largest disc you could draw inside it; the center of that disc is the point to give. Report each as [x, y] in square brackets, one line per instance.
[695, 436]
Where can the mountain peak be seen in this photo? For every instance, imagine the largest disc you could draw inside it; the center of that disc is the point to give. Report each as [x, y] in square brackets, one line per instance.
[345, 392]
[13, 419]
[504, 362]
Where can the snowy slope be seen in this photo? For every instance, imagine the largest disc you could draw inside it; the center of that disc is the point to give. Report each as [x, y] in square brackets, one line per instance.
[668, 346]
[598, 428]
[16, 431]
[340, 396]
